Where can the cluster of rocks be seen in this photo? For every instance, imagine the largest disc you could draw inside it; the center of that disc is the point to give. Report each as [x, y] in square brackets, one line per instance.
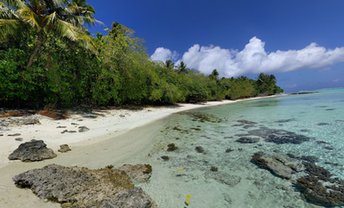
[83, 187]
[315, 183]
[278, 136]
[19, 121]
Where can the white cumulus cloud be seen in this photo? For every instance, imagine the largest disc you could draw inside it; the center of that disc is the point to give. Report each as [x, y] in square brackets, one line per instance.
[255, 59]
[163, 54]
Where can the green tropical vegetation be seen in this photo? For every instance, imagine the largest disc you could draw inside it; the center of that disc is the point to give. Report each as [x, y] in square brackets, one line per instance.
[48, 57]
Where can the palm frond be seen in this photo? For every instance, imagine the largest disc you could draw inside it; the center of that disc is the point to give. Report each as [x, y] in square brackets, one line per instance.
[28, 16]
[68, 30]
[50, 19]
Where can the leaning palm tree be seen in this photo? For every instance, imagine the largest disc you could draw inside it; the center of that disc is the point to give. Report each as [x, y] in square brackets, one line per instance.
[63, 18]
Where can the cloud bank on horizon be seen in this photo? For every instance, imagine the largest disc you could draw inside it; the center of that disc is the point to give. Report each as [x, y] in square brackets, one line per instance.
[252, 59]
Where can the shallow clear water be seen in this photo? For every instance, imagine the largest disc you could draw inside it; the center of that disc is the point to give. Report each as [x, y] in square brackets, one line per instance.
[238, 182]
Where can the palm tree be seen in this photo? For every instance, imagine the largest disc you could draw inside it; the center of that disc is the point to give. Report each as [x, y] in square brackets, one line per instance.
[63, 18]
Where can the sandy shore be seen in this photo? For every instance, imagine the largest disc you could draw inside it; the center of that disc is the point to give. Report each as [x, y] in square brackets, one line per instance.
[114, 137]
[108, 124]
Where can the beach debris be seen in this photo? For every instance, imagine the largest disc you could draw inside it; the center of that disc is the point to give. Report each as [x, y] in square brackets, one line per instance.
[61, 127]
[19, 139]
[248, 140]
[171, 147]
[83, 129]
[187, 201]
[64, 148]
[74, 124]
[199, 149]
[83, 187]
[35, 150]
[138, 173]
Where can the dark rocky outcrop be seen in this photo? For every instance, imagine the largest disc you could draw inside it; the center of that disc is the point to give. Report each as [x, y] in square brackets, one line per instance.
[35, 150]
[64, 148]
[247, 140]
[279, 136]
[321, 192]
[278, 165]
[315, 183]
[75, 187]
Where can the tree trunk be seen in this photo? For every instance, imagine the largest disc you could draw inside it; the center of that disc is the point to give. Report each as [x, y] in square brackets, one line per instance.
[38, 45]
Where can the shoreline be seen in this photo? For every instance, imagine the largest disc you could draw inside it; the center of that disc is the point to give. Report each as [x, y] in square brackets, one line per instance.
[110, 148]
[110, 124]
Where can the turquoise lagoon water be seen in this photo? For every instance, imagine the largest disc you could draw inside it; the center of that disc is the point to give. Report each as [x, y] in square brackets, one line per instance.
[238, 182]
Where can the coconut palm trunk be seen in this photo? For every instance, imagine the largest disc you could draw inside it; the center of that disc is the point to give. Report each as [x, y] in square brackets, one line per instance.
[38, 46]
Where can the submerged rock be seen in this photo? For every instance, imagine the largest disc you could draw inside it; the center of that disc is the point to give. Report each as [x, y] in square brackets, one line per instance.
[82, 187]
[248, 140]
[279, 165]
[35, 150]
[279, 136]
[315, 183]
[225, 178]
[137, 173]
[165, 158]
[199, 149]
[320, 192]
[171, 147]
[202, 117]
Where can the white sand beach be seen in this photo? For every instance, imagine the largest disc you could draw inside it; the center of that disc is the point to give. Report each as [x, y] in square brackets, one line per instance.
[88, 148]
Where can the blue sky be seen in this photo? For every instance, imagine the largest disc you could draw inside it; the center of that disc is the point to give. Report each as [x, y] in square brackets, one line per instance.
[241, 37]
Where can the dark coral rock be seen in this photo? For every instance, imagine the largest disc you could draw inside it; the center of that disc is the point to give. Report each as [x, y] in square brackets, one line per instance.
[316, 192]
[323, 124]
[246, 122]
[35, 150]
[317, 171]
[171, 147]
[286, 120]
[214, 169]
[228, 150]
[64, 148]
[165, 158]
[279, 165]
[248, 140]
[82, 187]
[199, 149]
[279, 136]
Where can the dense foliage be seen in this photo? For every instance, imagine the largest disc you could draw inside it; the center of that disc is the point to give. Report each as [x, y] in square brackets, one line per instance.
[47, 57]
